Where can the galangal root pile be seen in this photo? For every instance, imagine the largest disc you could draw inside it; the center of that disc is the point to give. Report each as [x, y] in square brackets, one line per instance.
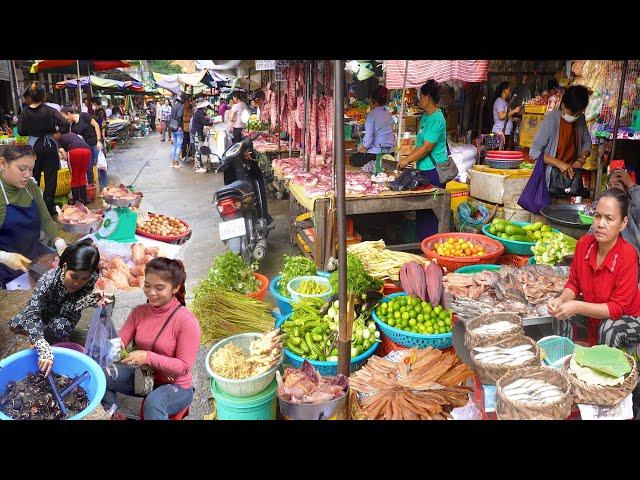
[232, 362]
[423, 385]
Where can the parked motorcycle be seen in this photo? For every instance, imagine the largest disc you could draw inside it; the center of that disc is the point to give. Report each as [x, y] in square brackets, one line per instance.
[244, 225]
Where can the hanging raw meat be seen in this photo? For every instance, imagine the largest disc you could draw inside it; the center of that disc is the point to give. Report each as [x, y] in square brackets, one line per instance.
[313, 131]
[329, 114]
[322, 127]
[291, 87]
[273, 108]
[300, 112]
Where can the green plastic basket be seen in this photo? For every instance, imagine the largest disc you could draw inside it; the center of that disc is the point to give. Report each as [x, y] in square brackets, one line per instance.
[556, 350]
[512, 246]
[478, 268]
[586, 219]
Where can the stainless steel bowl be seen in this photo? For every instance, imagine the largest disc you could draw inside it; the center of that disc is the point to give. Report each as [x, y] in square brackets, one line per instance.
[81, 228]
[311, 411]
[123, 202]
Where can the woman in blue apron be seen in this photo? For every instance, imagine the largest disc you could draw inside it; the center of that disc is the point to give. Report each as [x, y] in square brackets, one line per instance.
[378, 130]
[23, 214]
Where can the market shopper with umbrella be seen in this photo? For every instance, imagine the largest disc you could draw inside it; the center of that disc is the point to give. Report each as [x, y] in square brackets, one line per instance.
[378, 130]
[431, 142]
[23, 214]
[605, 272]
[39, 122]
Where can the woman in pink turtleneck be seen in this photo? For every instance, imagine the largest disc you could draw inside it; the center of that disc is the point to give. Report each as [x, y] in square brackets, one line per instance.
[176, 332]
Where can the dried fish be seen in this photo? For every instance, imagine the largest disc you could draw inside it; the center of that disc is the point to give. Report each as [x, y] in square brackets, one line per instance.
[532, 391]
[495, 328]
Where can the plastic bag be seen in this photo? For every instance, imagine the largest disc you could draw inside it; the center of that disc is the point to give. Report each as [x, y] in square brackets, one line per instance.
[103, 342]
[535, 195]
[102, 161]
[409, 179]
[466, 213]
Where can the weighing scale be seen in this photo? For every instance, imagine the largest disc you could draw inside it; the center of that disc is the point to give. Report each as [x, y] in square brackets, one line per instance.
[119, 224]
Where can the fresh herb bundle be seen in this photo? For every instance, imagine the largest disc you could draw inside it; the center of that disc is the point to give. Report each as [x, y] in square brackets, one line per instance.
[294, 266]
[230, 273]
[358, 280]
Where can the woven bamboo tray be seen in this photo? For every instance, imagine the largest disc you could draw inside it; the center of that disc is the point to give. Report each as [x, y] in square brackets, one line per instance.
[473, 340]
[605, 396]
[513, 410]
[490, 374]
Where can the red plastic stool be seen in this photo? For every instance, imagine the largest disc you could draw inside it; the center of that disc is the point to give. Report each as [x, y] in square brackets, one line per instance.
[178, 416]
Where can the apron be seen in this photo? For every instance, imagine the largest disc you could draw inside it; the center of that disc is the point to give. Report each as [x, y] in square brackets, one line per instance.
[20, 233]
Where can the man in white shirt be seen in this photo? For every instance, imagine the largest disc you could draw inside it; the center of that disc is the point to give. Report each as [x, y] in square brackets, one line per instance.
[108, 111]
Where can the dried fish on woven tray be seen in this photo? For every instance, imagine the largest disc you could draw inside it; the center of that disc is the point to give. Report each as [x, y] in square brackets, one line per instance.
[423, 385]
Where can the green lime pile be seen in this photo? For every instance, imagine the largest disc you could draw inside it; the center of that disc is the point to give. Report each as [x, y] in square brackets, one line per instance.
[414, 315]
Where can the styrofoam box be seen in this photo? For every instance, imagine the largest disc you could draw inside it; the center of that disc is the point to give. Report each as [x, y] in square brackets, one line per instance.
[494, 188]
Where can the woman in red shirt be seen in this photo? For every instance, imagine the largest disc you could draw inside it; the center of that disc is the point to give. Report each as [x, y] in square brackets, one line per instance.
[166, 336]
[605, 272]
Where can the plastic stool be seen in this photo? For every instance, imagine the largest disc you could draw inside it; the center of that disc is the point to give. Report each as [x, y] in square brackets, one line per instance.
[178, 416]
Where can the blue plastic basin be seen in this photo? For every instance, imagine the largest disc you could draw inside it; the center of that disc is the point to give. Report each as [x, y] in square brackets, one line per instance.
[67, 362]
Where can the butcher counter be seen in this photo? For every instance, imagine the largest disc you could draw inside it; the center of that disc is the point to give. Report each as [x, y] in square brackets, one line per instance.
[319, 207]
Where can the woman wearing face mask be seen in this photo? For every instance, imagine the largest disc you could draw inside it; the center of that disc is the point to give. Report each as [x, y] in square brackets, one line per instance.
[432, 148]
[23, 214]
[166, 337]
[58, 300]
[502, 114]
[605, 272]
[563, 136]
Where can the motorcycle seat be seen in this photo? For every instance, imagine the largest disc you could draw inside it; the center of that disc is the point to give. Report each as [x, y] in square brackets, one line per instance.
[241, 186]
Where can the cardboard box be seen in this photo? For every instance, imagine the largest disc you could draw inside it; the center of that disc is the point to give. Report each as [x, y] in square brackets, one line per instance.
[459, 193]
[411, 123]
[529, 127]
[496, 188]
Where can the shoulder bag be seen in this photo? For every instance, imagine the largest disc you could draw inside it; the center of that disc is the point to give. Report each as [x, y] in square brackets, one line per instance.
[143, 381]
[562, 186]
[447, 170]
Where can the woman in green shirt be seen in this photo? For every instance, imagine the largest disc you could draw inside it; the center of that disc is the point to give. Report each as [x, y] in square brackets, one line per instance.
[431, 143]
[23, 214]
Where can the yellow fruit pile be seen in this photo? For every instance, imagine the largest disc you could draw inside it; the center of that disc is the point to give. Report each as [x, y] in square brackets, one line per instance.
[458, 248]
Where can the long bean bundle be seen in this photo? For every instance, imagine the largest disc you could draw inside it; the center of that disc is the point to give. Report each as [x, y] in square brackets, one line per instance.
[382, 263]
[222, 313]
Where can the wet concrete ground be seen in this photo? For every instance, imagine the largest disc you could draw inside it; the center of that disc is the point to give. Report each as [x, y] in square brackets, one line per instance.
[184, 194]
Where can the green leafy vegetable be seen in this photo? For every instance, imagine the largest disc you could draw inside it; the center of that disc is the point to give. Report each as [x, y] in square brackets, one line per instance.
[358, 280]
[230, 273]
[311, 287]
[294, 266]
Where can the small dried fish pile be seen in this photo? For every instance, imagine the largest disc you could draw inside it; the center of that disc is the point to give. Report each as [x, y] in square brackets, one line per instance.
[423, 385]
[525, 290]
[495, 328]
[32, 399]
[532, 391]
[504, 356]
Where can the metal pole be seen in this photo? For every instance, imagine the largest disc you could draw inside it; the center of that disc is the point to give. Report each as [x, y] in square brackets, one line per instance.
[404, 86]
[344, 340]
[79, 87]
[616, 124]
[14, 87]
[278, 113]
[305, 127]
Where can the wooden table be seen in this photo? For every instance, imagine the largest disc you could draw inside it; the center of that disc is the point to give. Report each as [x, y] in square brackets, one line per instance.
[435, 199]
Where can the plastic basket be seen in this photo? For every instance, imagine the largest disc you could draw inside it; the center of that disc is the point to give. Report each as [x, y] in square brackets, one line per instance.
[165, 238]
[326, 368]
[285, 304]
[479, 268]
[493, 248]
[262, 289]
[586, 219]
[296, 296]
[556, 350]
[513, 246]
[410, 339]
[262, 406]
[515, 260]
[245, 387]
